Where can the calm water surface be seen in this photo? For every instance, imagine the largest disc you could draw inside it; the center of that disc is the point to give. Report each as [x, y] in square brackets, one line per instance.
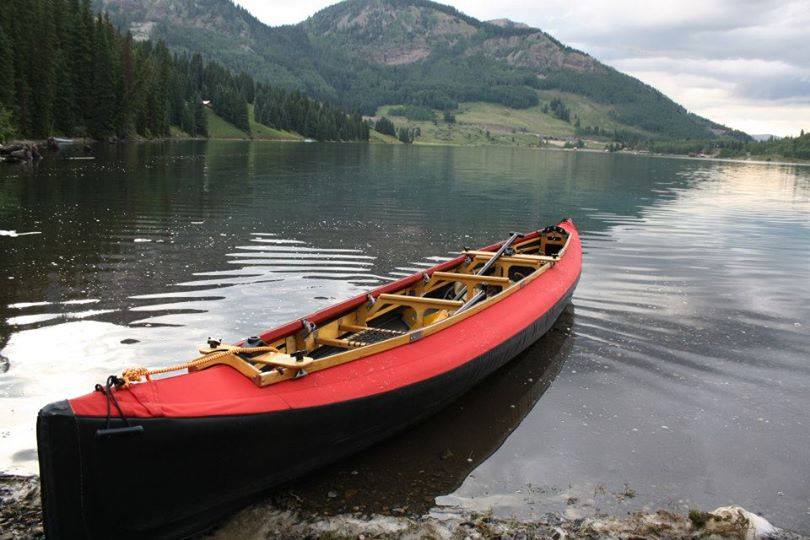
[680, 376]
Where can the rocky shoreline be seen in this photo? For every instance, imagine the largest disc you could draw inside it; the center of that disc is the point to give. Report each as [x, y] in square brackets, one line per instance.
[25, 152]
[20, 518]
[20, 509]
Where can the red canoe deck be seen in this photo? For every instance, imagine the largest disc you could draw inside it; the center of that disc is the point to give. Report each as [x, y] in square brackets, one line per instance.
[221, 390]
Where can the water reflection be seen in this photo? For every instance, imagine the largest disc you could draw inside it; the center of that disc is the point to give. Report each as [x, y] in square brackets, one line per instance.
[405, 474]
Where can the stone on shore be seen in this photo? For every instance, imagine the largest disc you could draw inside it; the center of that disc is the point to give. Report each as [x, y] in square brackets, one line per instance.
[19, 153]
[20, 518]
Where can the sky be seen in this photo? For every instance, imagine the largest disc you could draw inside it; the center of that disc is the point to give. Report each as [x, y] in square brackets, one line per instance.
[742, 63]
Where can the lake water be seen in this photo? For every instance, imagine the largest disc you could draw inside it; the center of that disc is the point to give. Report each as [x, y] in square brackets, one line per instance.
[679, 377]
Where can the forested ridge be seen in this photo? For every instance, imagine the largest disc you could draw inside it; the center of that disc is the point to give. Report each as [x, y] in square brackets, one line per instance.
[364, 54]
[787, 147]
[295, 112]
[65, 70]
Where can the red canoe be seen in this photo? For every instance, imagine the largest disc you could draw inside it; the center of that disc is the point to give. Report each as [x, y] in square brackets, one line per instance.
[166, 457]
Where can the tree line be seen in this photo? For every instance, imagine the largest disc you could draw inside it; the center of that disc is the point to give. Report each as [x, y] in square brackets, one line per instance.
[293, 111]
[65, 70]
[787, 147]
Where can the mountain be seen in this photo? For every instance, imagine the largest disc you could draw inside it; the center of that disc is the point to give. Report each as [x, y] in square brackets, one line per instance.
[227, 33]
[506, 23]
[363, 54]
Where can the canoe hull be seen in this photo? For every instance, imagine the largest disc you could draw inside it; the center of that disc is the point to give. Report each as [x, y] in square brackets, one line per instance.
[182, 474]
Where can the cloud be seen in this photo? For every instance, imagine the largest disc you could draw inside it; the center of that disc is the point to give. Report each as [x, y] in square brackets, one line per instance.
[276, 13]
[738, 62]
[767, 80]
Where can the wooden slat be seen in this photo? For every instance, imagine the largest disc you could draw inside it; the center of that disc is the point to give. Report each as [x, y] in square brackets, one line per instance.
[419, 301]
[485, 255]
[541, 258]
[472, 278]
[511, 261]
[357, 328]
[341, 343]
[281, 360]
[522, 245]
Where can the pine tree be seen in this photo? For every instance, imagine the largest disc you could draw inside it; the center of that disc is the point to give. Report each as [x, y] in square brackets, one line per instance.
[386, 127]
[102, 118]
[43, 75]
[200, 117]
[21, 37]
[6, 125]
[196, 73]
[6, 78]
[160, 124]
[80, 58]
[6, 70]
[178, 93]
[127, 100]
[187, 123]
[64, 120]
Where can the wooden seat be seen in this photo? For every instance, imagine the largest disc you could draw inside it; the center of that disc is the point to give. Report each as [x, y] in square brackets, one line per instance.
[417, 307]
[248, 367]
[486, 255]
[281, 360]
[471, 280]
[419, 301]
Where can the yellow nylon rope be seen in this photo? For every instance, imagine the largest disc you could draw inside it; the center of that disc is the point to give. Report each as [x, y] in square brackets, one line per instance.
[133, 375]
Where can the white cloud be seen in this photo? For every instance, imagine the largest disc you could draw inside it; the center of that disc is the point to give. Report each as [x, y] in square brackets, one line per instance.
[744, 63]
[276, 13]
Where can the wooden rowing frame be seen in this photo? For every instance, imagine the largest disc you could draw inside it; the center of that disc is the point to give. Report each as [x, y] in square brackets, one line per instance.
[292, 356]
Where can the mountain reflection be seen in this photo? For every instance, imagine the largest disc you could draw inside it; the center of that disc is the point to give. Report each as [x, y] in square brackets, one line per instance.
[407, 472]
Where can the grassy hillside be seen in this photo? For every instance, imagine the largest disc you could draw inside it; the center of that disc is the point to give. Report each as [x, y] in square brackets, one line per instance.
[221, 129]
[218, 128]
[503, 119]
[266, 133]
[590, 113]
[487, 124]
[377, 137]
[523, 127]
